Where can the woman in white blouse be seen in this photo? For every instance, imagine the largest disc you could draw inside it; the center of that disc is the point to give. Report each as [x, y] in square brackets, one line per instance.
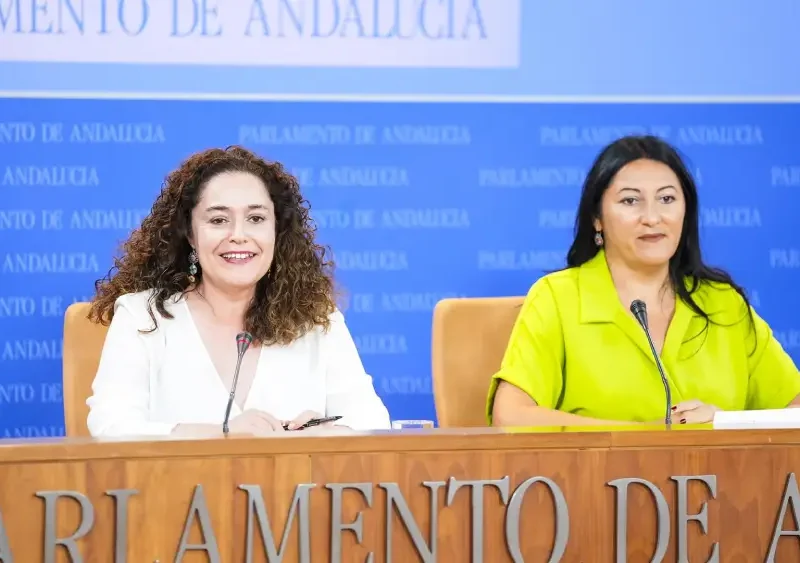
[228, 247]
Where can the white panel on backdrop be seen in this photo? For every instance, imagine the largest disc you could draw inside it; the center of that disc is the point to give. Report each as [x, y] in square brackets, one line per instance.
[337, 33]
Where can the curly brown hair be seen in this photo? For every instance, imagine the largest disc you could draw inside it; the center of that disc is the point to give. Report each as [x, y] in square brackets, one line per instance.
[297, 294]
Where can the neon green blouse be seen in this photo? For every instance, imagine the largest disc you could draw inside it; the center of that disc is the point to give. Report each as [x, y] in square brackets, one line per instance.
[576, 348]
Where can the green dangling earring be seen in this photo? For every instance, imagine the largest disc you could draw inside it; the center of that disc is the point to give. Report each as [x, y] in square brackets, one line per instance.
[192, 266]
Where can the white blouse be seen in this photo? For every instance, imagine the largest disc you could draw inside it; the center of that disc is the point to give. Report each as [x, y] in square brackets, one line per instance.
[147, 383]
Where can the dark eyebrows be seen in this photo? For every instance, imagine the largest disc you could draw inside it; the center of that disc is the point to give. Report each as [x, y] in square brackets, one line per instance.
[252, 206]
[638, 191]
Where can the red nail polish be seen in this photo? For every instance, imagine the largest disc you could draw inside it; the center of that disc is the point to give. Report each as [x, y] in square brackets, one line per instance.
[683, 421]
[675, 407]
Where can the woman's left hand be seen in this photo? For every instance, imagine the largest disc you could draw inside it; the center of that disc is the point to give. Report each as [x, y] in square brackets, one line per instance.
[693, 412]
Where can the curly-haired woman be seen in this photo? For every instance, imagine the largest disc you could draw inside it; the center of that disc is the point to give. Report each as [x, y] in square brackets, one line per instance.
[228, 247]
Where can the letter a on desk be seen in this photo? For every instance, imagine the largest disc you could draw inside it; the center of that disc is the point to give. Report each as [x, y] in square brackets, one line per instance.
[5, 549]
[791, 495]
[199, 510]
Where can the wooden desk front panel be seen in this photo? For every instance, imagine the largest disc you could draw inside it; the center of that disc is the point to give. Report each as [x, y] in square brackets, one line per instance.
[750, 481]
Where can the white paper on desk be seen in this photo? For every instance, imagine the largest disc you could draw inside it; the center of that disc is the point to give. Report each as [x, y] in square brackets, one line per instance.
[774, 418]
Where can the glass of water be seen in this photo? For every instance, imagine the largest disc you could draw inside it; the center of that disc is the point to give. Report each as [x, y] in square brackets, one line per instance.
[408, 424]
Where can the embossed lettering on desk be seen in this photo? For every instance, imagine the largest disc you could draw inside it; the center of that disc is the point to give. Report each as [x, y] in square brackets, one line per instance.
[476, 490]
[561, 539]
[336, 518]
[5, 549]
[791, 495]
[397, 503]
[300, 508]
[199, 509]
[301, 502]
[121, 497]
[662, 516]
[50, 539]
[710, 481]
[396, 500]
[51, 542]
[512, 514]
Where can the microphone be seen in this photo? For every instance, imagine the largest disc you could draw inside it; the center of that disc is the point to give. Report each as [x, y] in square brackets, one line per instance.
[243, 341]
[639, 310]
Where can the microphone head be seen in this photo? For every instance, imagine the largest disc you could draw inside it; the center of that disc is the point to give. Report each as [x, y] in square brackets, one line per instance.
[243, 341]
[639, 310]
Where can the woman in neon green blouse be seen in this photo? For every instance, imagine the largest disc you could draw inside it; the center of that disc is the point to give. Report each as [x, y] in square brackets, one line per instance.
[577, 355]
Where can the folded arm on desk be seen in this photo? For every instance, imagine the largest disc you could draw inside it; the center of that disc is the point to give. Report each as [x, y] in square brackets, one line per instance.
[119, 405]
[526, 390]
[528, 375]
[517, 408]
[350, 390]
[120, 402]
[774, 381]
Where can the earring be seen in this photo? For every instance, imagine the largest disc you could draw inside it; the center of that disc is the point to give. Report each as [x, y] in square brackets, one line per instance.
[598, 238]
[192, 265]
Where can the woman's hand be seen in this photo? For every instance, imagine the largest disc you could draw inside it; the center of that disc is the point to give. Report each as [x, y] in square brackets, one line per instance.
[304, 417]
[693, 412]
[255, 422]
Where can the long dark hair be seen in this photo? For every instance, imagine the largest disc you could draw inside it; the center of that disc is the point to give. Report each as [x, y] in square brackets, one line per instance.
[687, 262]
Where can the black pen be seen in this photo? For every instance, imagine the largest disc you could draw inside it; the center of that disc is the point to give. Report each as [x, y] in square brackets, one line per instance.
[315, 422]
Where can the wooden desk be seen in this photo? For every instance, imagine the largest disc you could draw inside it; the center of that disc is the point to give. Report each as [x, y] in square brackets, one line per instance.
[740, 480]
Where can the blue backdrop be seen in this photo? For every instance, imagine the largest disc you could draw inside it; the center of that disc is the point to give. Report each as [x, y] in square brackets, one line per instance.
[420, 197]
[418, 201]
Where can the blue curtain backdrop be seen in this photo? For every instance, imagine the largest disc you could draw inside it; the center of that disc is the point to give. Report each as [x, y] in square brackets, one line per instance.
[421, 199]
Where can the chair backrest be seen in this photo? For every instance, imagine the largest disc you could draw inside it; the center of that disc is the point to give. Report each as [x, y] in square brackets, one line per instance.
[83, 342]
[470, 336]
